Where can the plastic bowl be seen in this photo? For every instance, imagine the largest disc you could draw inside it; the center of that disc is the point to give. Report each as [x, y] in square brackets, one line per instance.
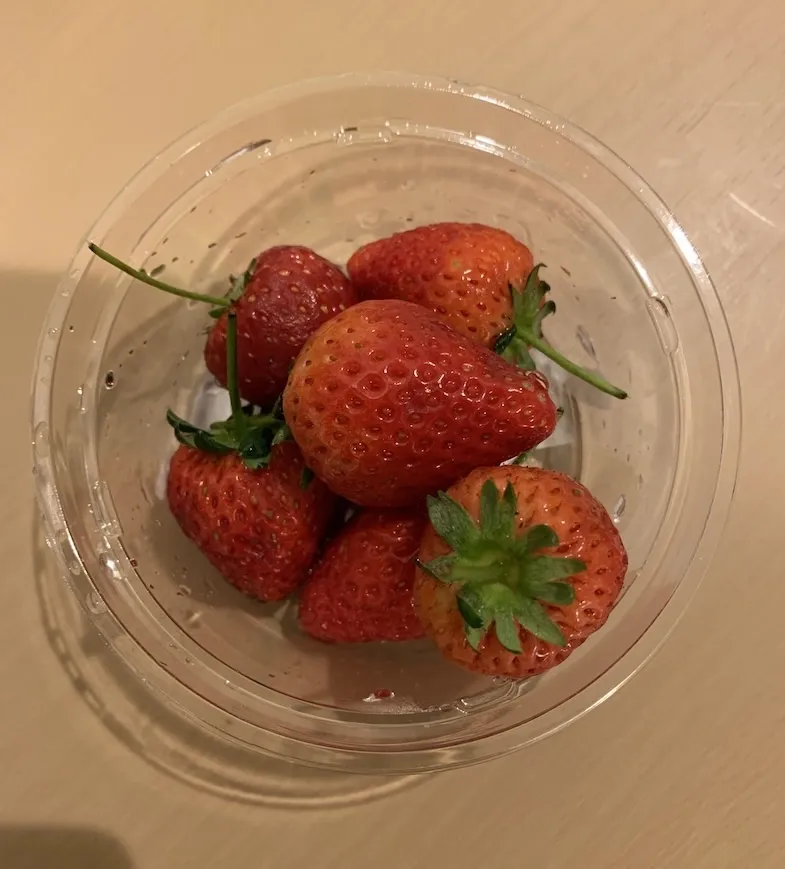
[332, 164]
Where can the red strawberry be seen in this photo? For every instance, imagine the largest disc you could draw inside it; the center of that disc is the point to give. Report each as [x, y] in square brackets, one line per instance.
[460, 270]
[388, 402]
[285, 294]
[257, 526]
[361, 589]
[480, 279]
[510, 586]
[237, 491]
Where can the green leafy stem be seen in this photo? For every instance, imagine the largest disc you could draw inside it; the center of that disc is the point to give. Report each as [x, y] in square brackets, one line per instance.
[249, 433]
[529, 310]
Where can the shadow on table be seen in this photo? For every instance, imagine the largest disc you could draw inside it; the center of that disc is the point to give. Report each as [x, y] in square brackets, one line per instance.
[172, 743]
[39, 847]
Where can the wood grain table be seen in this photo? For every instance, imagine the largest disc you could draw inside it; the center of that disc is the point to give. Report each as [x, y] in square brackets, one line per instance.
[684, 768]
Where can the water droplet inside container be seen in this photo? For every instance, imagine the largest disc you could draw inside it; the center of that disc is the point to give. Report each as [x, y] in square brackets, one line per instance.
[62, 543]
[344, 136]
[82, 399]
[185, 589]
[585, 341]
[41, 440]
[95, 604]
[54, 330]
[109, 565]
[368, 219]
[193, 618]
[660, 313]
[618, 509]
[110, 381]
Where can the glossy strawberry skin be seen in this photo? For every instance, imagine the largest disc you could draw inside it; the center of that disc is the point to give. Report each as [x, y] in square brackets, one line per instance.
[259, 528]
[462, 271]
[585, 531]
[389, 403]
[361, 589]
[290, 293]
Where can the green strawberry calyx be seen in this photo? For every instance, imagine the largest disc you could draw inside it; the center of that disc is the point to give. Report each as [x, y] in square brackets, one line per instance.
[248, 432]
[529, 310]
[503, 576]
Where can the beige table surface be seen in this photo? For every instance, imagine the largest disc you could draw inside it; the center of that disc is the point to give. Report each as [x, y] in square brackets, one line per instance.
[683, 768]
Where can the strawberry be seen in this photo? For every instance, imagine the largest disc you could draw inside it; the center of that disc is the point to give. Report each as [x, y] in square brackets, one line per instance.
[237, 492]
[480, 279]
[361, 589]
[460, 270]
[388, 403]
[285, 294]
[510, 585]
[257, 526]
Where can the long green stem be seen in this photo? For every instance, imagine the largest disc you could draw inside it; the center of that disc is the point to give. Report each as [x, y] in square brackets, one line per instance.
[232, 381]
[588, 376]
[142, 276]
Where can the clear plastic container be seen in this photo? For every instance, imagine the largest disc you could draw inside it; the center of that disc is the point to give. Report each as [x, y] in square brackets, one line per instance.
[332, 164]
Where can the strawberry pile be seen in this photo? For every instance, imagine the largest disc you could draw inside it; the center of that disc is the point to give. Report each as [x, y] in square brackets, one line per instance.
[403, 387]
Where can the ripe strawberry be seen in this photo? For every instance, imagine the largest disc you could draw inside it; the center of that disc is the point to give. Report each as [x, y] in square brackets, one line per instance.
[257, 526]
[361, 589]
[236, 491]
[480, 279]
[388, 403]
[460, 270]
[285, 294]
[510, 586]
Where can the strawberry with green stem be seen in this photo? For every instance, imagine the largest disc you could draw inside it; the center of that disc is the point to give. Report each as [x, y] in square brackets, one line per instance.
[283, 296]
[469, 274]
[517, 568]
[237, 491]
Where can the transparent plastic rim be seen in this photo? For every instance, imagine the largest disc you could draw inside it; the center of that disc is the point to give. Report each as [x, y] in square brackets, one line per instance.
[335, 752]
